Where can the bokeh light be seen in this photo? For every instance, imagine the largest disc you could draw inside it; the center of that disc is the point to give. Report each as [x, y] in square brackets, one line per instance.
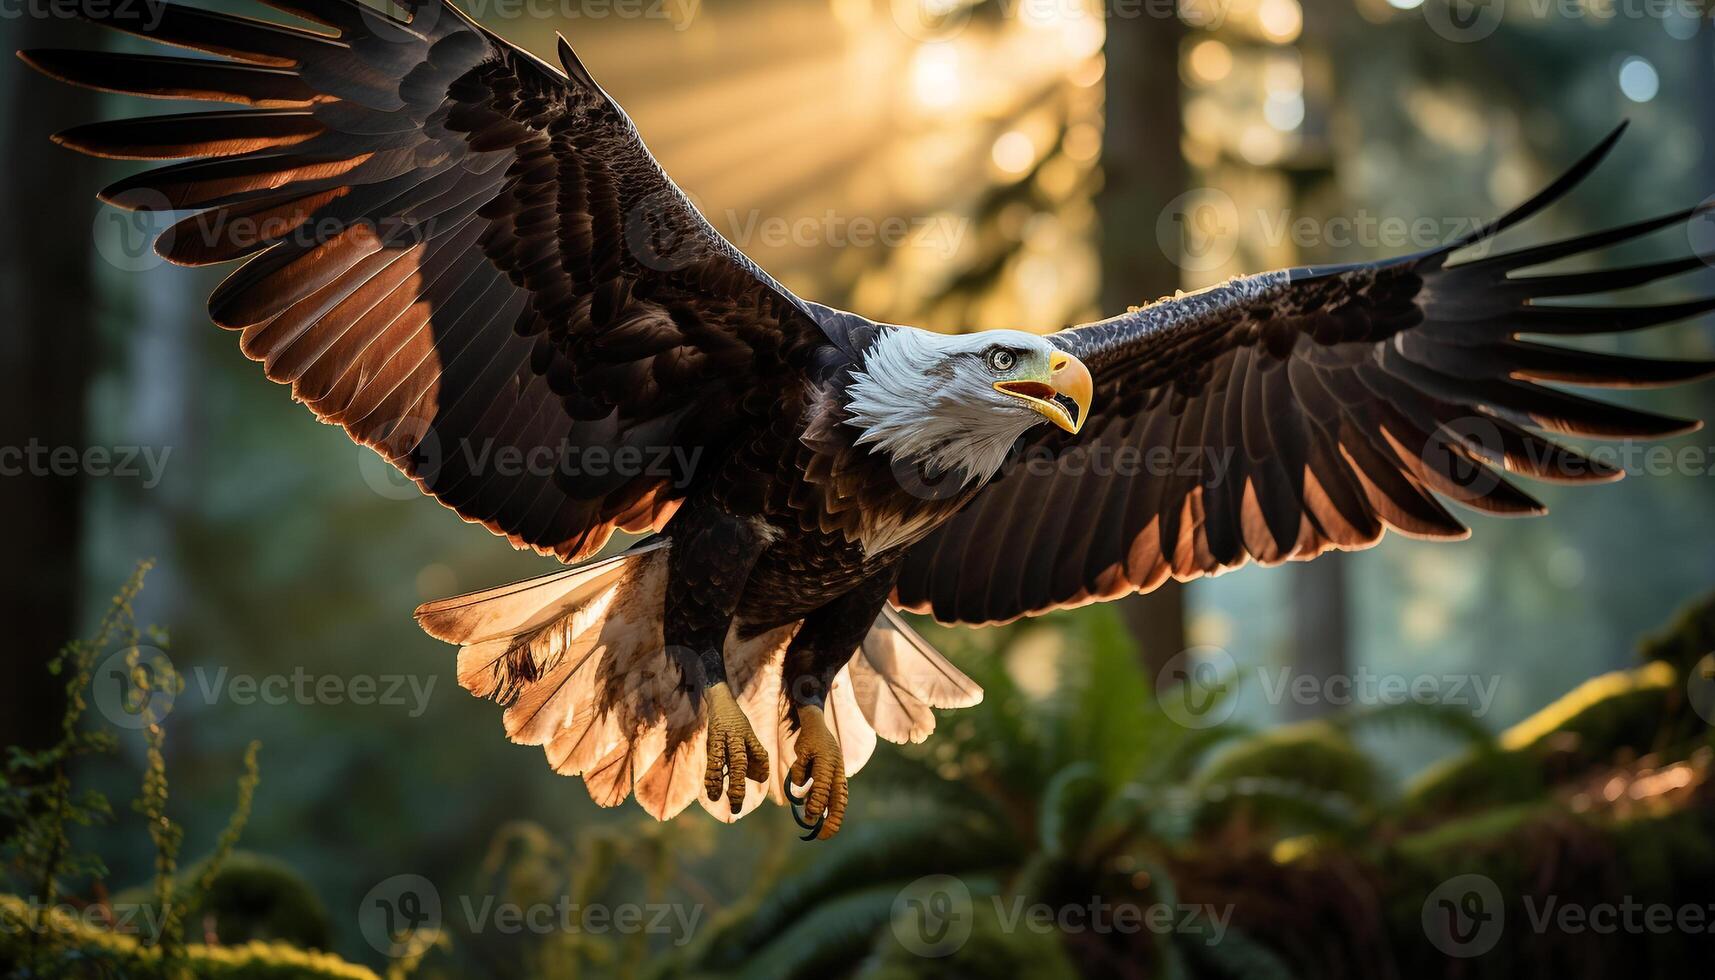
[1638, 79]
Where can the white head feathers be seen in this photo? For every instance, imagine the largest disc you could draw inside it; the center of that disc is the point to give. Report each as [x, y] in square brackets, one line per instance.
[929, 398]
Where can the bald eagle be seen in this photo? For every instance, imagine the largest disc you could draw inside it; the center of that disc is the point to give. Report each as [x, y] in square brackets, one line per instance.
[467, 258]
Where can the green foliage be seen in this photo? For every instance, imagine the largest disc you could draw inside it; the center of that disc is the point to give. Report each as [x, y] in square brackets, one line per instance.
[249, 897]
[1237, 957]
[39, 802]
[993, 950]
[1686, 640]
[1037, 800]
[70, 946]
[1304, 777]
[1092, 790]
[48, 931]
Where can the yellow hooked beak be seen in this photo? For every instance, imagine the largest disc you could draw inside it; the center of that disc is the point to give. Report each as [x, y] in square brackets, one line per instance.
[1067, 378]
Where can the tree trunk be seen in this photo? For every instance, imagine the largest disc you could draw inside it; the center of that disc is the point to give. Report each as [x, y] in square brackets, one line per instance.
[1320, 629]
[45, 366]
[1318, 592]
[1144, 171]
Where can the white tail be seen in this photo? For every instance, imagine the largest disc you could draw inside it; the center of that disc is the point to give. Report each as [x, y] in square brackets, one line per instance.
[578, 659]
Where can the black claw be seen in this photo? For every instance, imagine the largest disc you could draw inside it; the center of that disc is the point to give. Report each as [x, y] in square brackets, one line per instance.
[798, 801]
[809, 781]
[813, 831]
[798, 815]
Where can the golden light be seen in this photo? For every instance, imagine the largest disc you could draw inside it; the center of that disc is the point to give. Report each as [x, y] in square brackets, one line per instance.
[1082, 36]
[935, 104]
[1013, 218]
[1284, 105]
[1210, 61]
[1088, 73]
[853, 15]
[1033, 661]
[935, 76]
[1083, 142]
[1013, 152]
[1058, 178]
[1280, 20]
[1203, 13]
[1039, 16]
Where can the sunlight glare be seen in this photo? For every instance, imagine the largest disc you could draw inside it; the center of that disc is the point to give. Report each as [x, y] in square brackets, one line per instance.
[1211, 61]
[1013, 152]
[852, 15]
[1281, 20]
[1083, 142]
[935, 75]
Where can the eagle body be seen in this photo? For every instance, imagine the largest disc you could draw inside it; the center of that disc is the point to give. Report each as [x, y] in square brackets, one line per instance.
[460, 253]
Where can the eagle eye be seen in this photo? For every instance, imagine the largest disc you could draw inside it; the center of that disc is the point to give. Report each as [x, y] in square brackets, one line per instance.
[1001, 359]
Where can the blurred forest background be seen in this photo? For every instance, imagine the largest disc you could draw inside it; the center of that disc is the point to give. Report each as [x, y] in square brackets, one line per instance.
[958, 165]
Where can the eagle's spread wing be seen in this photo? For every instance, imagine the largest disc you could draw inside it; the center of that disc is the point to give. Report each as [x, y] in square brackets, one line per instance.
[1279, 416]
[454, 251]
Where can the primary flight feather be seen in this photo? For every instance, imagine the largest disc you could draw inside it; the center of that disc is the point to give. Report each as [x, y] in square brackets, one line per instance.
[462, 254]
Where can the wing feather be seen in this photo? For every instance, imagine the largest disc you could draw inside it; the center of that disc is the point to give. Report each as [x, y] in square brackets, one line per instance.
[455, 252]
[1306, 410]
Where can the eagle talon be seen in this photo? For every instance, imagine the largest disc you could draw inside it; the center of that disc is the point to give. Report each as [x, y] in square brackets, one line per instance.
[797, 800]
[824, 796]
[735, 753]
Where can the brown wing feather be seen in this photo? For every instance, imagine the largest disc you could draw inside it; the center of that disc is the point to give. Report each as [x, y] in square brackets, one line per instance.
[1277, 417]
[454, 251]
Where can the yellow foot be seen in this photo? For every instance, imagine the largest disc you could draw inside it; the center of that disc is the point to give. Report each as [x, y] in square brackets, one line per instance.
[734, 752]
[822, 766]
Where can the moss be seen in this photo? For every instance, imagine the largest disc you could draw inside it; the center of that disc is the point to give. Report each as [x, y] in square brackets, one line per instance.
[1604, 718]
[66, 945]
[1296, 778]
[1686, 640]
[1606, 711]
[1463, 835]
[1314, 754]
[250, 897]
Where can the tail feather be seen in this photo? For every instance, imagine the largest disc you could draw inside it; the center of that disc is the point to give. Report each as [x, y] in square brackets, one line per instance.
[609, 781]
[897, 678]
[675, 781]
[507, 610]
[576, 749]
[578, 659]
[541, 705]
[846, 720]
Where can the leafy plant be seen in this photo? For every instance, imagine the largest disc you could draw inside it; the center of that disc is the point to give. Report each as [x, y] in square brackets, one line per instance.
[48, 930]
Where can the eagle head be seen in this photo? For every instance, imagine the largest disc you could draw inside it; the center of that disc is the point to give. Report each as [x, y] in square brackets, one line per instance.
[960, 402]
